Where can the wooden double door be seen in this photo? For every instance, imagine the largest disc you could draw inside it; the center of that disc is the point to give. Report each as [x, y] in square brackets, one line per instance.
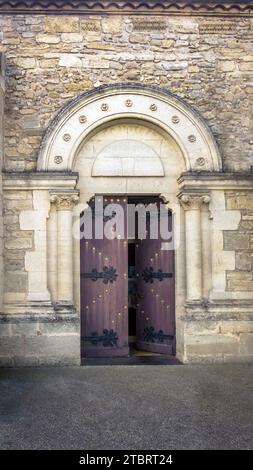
[112, 286]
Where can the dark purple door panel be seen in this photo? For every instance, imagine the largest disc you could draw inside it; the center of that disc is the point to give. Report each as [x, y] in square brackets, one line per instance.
[104, 295]
[155, 323]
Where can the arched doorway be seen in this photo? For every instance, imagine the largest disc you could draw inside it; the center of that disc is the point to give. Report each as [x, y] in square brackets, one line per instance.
[131, 141]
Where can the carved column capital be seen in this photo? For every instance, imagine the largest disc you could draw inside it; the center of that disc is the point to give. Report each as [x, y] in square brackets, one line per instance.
[193, 201]
[64, 200]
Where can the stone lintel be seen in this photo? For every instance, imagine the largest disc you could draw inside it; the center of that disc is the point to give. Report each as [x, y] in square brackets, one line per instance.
[39, 180]
[198, 181]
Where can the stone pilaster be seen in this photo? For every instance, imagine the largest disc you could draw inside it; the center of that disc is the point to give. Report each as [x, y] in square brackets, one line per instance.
[64, 203]
[191, 203]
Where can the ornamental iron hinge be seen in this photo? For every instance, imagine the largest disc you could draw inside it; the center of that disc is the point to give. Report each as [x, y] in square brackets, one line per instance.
[109, 338]
[109, 274]
[152, 336]
[149, 275]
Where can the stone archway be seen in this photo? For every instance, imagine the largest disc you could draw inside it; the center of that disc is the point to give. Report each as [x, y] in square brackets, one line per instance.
[98, 107]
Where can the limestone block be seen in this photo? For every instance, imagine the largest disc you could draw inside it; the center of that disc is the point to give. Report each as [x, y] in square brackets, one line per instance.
[14, 264]
[96, 63]
[112, 24]
[174, 65]
[25, 62]
[48, 63]
[5, 330]
[12, 346]
[240, 281]
[243, 261]
[235, 240]
[240, 201]
[80, 86]
[18, 243]
[15, 206]
[32, 121]
[236, 327]
[13, 298]
[15, 281]
[246, 343]
[71, 37]
[62, 24]
[246, 66]
[56, 345]
[70, 60]
[47, 38]
[227, 66]
[211, 345]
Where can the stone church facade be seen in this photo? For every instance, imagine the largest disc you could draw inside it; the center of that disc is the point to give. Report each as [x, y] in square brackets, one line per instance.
[79, 81]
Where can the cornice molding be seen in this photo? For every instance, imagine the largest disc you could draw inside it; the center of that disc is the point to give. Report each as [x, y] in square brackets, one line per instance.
[192, 7]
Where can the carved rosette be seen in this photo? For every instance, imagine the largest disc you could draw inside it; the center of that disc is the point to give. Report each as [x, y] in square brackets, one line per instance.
[193, 201]
[64, 201]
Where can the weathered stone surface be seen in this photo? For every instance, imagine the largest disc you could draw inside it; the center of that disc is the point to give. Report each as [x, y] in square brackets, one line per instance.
[227, 66]
[243, 261]
[47, 38]
[25, 62]
[162, 55]
[15, 281]
[212, 345]
[71, 37]
[112, 25]
[240, 281]
[240, 200]
[70, 60]
[246, 343]
[62, 24]
[18, 243]
[234, 240]
[52, 59]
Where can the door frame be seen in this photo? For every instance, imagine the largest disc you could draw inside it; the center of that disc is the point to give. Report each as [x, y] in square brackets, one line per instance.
[137, 196]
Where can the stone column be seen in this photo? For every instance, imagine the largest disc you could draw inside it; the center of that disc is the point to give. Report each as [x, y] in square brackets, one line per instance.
[64, 202]
[52, 252]
[191, 202]
[206, 251]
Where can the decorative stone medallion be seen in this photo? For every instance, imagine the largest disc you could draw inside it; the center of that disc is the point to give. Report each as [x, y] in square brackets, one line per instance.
[104, 107]
[128, 103]
[153, 107]
[200, 161]
[58, 159]
[82, 119]
[192, 138]
[175, 119]
[67, 137]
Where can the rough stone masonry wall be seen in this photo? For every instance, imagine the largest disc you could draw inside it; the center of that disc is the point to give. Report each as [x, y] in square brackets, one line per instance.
[16, 243]
[50, 60]
[241, 242]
